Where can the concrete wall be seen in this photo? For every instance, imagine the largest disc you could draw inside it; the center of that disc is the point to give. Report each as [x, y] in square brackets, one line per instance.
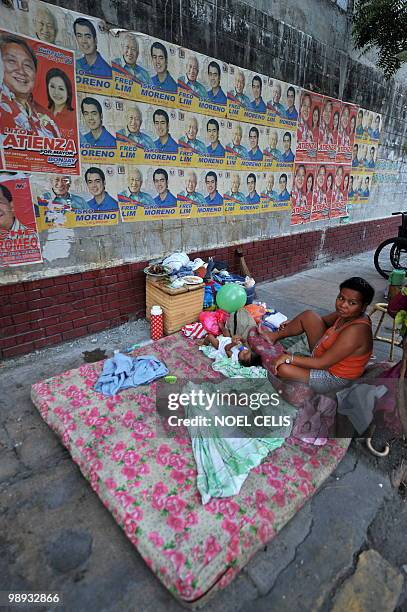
[307, 43]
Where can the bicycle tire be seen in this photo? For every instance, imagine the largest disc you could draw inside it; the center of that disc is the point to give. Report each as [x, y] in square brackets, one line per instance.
[383, 271]
[396, 250]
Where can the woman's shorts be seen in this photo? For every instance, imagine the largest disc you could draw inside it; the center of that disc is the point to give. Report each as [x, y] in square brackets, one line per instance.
[323, 381]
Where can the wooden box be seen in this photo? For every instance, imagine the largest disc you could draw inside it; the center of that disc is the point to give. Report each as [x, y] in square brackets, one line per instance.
[180, 306]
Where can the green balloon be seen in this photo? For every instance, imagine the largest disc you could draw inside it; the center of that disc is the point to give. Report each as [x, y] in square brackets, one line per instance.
[231, 297]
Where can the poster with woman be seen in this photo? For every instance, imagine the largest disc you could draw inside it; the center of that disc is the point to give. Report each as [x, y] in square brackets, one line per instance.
[38, 109]
[308, 126]
[328, 130]
[145, 69]
[283, 104]
[346, 133]
[320, 196]
[202, 84]
[339, 199]
[19, 241]
[84, 201]
[302, 193]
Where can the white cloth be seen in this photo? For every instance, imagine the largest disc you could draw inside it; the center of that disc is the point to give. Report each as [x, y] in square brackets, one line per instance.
[176, 260]
[223, 341]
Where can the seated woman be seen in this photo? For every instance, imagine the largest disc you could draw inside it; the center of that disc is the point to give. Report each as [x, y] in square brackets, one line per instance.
[341, 342]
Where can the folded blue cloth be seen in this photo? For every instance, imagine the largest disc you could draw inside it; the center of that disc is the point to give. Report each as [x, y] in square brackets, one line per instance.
[121, 372]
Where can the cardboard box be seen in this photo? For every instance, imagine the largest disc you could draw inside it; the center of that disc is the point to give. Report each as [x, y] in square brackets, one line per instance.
[180, 306]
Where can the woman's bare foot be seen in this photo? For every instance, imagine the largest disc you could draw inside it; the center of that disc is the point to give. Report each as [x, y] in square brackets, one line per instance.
[200, 342]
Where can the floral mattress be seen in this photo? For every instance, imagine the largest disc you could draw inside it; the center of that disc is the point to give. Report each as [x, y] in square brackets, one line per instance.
[148, 482]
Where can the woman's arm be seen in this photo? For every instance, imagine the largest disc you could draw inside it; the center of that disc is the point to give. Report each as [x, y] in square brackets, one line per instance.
[330, 319]
[348, 342]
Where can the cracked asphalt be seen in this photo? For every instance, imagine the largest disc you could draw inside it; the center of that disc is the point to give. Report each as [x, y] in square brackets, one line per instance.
[344, 550]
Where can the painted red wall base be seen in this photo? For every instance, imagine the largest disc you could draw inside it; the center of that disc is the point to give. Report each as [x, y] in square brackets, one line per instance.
[44, 312]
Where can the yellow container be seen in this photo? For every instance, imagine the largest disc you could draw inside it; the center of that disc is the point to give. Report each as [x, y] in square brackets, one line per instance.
[180, 306]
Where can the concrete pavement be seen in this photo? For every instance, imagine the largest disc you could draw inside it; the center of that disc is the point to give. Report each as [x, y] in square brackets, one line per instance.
[55, 535]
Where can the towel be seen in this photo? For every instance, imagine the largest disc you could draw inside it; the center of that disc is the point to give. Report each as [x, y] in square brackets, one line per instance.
[121, 372]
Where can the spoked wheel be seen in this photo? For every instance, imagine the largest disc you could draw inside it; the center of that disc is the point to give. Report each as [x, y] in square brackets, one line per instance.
[398, 257]
[382, 257]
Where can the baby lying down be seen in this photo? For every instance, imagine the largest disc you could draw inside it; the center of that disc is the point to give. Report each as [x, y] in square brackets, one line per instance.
[232, 348]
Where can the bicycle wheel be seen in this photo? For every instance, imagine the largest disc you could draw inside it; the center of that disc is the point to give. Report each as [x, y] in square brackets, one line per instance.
[382, 260]
[398, 257]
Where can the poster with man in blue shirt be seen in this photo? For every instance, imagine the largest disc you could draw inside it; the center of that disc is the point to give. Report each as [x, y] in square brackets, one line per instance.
[102, 201]
[252, 195]
[284, 194]
[93, 72]
[215, 94]
[291, 111]
[214, 149]
[164, 197]
[287, 156]
[165, 145]
[132, 142]
[214, 198]
[127, 72]
[98, 137]
[257, 104]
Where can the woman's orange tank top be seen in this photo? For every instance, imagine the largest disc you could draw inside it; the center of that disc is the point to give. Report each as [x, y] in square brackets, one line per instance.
[351, 367]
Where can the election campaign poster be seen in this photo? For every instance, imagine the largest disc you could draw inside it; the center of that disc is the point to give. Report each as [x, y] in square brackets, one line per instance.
[282, 104]
[199, 194]
[97, 129]
[145, 69]
[308, 126]
[245, 145]
[280, 149]
[321, 194]
[376, 128]
[46, 22]
[368, 126]
[146, 134]
[247, 96]
[359, 187]
[19, 242]
[132, 138]
[275, 191]
[302, 193]
[147, 193]
[346, 133]
[85, 201]
[202, 193]
[328, 130]
[242, 192]
[339, 199]
[202, 84]
[38, 112]
[201, 141]
[15, 16]
[128, 50]
[93, 67]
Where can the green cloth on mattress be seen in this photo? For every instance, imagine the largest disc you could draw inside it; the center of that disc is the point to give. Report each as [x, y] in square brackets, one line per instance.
[225, 455]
